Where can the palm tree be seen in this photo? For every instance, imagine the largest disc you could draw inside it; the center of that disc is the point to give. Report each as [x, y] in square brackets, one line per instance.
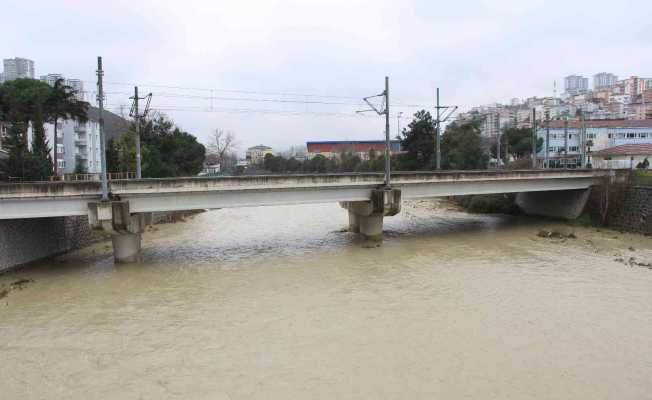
[63, 104]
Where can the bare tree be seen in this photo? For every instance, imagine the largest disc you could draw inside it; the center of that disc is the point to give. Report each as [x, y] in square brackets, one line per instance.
[221, 146]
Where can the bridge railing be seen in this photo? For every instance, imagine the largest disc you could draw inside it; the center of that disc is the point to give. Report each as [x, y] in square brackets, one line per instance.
[92, 177]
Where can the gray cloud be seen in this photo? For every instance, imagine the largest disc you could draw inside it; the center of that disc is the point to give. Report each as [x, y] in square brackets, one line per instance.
[476, 51]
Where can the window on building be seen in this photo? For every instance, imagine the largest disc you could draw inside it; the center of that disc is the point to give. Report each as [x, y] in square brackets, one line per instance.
[572, 148]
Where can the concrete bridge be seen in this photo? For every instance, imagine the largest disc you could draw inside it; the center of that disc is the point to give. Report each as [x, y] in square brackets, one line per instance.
[556, 193]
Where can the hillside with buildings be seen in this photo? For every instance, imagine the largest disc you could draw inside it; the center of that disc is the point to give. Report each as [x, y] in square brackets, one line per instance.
[581, 121]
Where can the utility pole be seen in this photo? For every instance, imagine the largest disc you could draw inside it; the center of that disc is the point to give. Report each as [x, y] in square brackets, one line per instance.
[139, 173]
[398, 123]
[387, 143]
[100, 101]
[439, 121]
[497, 126]
[566, 134]
[534, 138]
[438, 142]
[582, 139]
[547, 149]
[137, 117]
[383, 110]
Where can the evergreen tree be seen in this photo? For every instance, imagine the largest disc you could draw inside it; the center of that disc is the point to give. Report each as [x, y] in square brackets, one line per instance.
[62, 103]
[418, 143]
[40, 158]
[462, 147]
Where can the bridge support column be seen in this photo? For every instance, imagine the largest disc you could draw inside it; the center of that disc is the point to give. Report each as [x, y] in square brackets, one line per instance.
[564, 204]
[366, 217]
[126, 247]
[125, 228]
[354, 222]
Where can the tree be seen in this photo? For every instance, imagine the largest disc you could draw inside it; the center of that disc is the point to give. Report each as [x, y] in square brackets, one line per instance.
[112, 156]
[63, 104]
[519, 142]
[26, 103]
[418, 143]
[14, 165]
[220, 148]
[349, 161]
[275, 164]
[462, 147]
[168, 151]
[40, 158]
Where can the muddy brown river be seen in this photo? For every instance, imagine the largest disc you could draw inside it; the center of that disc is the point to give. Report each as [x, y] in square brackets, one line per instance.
[279, 303]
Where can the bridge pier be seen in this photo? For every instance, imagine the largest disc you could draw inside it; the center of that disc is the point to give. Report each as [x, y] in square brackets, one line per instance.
[366, 217]
[354, 222]
[125, 228]
[126, 247]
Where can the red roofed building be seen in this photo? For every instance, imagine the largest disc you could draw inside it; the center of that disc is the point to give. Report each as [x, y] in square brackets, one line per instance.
[334, 148]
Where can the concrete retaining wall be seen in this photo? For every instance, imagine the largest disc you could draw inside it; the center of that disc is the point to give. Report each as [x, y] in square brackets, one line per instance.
[26, 240]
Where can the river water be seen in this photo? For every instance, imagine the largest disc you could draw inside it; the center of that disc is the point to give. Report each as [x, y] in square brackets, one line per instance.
[279, 303]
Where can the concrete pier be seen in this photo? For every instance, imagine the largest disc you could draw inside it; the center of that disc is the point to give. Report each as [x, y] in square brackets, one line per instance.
[125, 228]
[354, 222]
[126, 247]
[366, 217]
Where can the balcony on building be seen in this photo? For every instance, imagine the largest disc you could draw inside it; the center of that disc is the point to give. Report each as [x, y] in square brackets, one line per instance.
[80, 140]
[81, 155]
[80, 127]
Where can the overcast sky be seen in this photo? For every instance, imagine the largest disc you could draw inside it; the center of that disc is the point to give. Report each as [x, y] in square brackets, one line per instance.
[267, 52]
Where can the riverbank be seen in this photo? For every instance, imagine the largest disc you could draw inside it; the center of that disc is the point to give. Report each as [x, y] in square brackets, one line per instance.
[25, 241]
[625, 207]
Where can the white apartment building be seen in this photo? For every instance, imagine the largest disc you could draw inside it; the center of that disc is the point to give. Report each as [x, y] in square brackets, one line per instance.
[15, 68]
[604, 80]
[77, 144]
[568, 143]
[576, 84]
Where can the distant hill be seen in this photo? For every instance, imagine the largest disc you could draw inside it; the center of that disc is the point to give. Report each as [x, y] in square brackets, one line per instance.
[114, 125]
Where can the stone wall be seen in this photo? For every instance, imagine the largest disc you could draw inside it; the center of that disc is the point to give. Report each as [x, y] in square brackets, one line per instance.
[26, 240]
[634, 214]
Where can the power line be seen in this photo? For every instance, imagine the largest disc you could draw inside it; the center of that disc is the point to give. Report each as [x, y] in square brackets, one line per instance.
[261, 93]
[164, 108]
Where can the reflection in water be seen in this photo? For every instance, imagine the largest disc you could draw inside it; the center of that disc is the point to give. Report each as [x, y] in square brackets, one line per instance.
[278, 302]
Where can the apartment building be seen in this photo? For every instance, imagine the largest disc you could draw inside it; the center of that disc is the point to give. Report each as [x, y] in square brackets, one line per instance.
[15, 68]
[570, 142]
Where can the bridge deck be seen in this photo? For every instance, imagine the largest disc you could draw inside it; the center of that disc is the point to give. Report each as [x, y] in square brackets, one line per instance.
[33, 200]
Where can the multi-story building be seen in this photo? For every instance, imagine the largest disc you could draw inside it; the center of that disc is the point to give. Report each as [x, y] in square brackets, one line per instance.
[604, 80]
[78, 144]
[569, 142]
[256, 154]
[76, 84]
[363, 148]
[576, 84]
[15, 68]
